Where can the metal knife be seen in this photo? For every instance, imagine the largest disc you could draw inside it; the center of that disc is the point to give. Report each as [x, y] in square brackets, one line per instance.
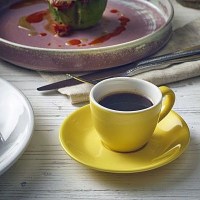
[131, 69]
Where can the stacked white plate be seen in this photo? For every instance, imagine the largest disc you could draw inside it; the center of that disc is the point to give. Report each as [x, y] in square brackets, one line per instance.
[16, 124]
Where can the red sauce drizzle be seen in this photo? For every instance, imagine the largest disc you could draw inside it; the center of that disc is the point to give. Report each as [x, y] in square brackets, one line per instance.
[26, 22]
[43, 34]
[114, 11]
[117, 31]
[36, 17]
[123, 22]
[74, 42]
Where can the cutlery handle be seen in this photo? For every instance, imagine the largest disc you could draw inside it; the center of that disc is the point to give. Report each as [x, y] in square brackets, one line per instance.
[141, 69]
[170, 56]
[146, 64]
[160, 65]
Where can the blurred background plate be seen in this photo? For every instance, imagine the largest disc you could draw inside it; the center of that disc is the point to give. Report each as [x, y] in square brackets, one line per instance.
[129, 30]
[16, 124]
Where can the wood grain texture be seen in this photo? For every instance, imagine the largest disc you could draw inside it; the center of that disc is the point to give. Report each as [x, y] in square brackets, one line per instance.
[45, 172]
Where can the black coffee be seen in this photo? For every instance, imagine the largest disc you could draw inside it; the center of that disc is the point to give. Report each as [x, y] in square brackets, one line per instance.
[125, 101]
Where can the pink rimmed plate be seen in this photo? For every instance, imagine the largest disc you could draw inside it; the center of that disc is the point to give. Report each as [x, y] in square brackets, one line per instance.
[129, 30]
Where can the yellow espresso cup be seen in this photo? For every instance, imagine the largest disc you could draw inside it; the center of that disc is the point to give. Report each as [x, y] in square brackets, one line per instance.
[121, 122]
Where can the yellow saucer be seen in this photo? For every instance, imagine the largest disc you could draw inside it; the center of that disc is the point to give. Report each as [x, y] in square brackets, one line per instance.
[80, 140]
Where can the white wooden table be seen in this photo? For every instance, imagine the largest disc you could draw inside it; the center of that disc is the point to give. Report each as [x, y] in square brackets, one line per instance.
[44, 171]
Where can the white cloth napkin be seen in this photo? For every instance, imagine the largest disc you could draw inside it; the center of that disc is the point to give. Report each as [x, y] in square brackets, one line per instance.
[184, 37]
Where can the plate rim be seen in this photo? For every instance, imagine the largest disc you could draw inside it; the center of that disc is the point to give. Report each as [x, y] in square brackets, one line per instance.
[9, 161]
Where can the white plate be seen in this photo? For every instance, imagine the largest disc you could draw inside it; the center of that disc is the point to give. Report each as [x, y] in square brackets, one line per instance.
[16, 124]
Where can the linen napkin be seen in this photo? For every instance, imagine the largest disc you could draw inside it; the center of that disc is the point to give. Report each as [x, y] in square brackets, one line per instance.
[187, 36]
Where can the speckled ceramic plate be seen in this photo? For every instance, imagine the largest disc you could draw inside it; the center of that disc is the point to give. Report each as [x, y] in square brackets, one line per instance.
[16, 124]
[80, 140]
[129, 30]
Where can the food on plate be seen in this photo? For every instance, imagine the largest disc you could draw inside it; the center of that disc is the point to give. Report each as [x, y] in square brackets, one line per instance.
[75, 14]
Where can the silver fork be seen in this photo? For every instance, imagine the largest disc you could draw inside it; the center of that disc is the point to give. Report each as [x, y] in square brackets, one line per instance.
[137, 70]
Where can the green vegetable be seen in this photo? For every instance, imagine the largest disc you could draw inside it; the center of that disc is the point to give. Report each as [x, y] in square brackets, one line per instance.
[78, 14]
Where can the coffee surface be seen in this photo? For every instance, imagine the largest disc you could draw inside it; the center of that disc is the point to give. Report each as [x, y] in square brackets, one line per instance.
[125, 101]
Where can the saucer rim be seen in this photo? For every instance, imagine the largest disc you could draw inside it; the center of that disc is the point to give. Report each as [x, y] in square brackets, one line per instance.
[142, 169]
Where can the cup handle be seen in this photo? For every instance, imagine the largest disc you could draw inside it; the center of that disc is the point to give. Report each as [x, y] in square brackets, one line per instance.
[168, 101]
